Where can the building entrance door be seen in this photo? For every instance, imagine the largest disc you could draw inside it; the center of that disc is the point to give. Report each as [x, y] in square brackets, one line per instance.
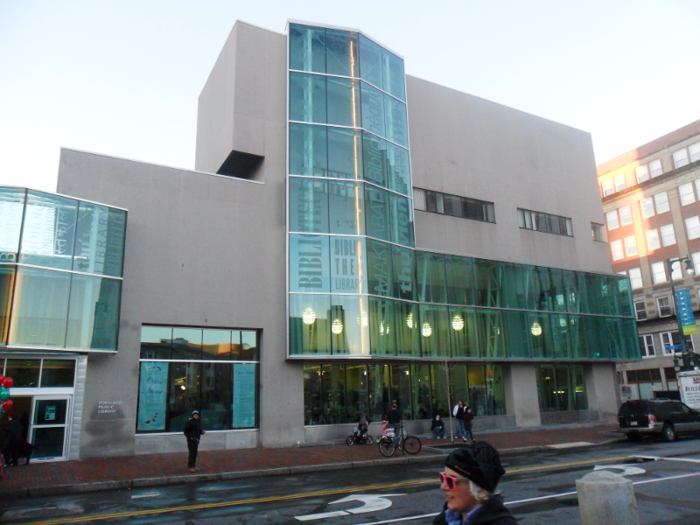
[49, 428]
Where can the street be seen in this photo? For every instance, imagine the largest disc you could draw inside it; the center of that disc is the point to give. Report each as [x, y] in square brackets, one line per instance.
[538, 488]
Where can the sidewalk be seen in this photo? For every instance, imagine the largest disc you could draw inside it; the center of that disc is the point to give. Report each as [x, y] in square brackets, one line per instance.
[128, 472]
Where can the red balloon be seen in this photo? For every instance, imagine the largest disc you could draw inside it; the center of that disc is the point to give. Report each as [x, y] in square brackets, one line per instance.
[7, 405]
[2, 379]
[8, 382]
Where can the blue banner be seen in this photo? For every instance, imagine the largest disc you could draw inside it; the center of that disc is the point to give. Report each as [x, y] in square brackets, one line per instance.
[685, 311]
[153, 390]
[244, 380]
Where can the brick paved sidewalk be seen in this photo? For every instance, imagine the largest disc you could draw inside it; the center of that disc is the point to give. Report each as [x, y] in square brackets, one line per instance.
[160, 469]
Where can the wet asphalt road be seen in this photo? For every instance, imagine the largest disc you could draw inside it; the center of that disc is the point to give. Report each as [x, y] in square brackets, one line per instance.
[666, 491]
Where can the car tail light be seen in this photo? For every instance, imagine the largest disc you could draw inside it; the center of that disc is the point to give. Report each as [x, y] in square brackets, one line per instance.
[652, 418]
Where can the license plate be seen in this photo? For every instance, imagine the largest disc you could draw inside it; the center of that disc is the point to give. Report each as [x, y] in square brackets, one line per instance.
[633, 423]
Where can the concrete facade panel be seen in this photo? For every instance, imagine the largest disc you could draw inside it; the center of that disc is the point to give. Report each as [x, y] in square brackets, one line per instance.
[520, 382]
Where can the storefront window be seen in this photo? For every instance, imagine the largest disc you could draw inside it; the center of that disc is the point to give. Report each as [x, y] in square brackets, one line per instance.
[57, 373]
[24, 372]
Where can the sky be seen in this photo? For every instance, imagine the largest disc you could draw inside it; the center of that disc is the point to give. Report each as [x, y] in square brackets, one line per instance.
[122, 77]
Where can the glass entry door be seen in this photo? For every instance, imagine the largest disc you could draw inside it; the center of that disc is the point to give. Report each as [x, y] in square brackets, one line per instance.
[49, 431]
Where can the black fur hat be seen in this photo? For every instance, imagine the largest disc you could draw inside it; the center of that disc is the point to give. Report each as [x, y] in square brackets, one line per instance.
[478, 462]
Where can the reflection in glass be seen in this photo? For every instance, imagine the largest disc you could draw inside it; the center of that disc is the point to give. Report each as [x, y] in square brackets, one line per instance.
[307, 98]
[333, 385]
[348, 274]
[343, 97]
[491, 333]
[435, 331]
[382, 328]
[408, 329]
[341, 53]
[50, 412]
[308, 153]
[393, 73]
[24, 372]
[307, 48]
[7, 284]
[48, 442]
[309, 324]
[93, 315]
[40, 309]
[430, 272]
[356, 391]
[396, 121]
[350, 325]
[379, 268]
[156, 342]
[249, 346]
[11, 211]
[99, 243]
[183, 393]
[344, 154]
[216, 344]
[377, 212]
[399, 171]
[375, 158]
[370, 61]
[216, 396]
[401, 220]
[187, 343]
[57, 373]
[308, 205]
[373, 110]
[346, 205]
[403, 262]
[463, 332]
[49, 231]
[459, 276]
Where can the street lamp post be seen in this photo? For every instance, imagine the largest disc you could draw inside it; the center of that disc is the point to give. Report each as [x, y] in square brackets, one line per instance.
[690, 270]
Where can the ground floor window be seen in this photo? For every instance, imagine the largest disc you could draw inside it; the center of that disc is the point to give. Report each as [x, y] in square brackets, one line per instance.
[185, 369]
[561, 388]
[339, 393]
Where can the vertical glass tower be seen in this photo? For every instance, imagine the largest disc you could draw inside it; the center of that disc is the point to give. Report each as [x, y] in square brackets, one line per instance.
[350, 209]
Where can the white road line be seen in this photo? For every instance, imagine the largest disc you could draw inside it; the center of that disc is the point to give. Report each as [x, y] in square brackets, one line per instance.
[145, 495]
[528, 500]
[658, 458]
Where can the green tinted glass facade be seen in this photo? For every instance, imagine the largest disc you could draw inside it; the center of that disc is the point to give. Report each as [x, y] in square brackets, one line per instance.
[358, 287]
[60, 272]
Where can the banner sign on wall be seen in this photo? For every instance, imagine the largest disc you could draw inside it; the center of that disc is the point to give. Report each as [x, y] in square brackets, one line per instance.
[153, 390]
[244, 378]
[685, 311]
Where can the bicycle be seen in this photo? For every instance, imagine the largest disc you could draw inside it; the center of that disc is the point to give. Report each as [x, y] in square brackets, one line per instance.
[388, 443]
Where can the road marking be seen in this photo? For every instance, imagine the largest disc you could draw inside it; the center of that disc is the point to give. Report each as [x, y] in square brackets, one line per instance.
[658, 458]
[253, 501]
[145, 495]
[571, 445]
[627, 470]
[371, 503]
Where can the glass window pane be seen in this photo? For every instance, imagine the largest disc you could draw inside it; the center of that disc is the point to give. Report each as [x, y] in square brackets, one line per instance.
[487, 282]
[341, 53]
[379, 390]
[343, 102]
[377, 212]
[309, 324]
[307, 48]
[408, 329]
[577, 337]
[356, 392]
[491, 333]
[459, 276]
[401, 220]
[349, 325]
[403, 262]
[348, 259]
[453, 205]
[519, 344]
[346, 206]
[99, 244]
[463, 331]
[382, 326]
[235, 344]
[216, 344]
[40, 309]
[249, 346]
[313, 407]
[49, 231]
[183, 394]
[375, 159]
[435, 331]
[399, 170]
[308, 153]
[51, 412]
[216, 396]
[7, 284]
[308, 205]
[372, 110]
[379, 268]
[513, 290]
[420, 388]
[307, 98]
[546, 387]
[57, 373]
[559, 325]
[344, 154]
[333, 386]
[394, 81]
[156, 342]
[370, 61]
[478, 399]
[187, 343]
[495, 392]
[24, 372]
[11, 211]
[93, 315]
[430, 270]
[309, 263]
[396, 121]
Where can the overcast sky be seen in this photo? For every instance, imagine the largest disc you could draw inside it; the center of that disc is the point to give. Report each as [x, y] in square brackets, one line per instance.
[122, 77]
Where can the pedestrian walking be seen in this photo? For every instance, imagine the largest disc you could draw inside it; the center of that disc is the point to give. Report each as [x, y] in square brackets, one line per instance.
[458, 412]
[437, 425]
[193, 432]
[467, 420]
[469, 482]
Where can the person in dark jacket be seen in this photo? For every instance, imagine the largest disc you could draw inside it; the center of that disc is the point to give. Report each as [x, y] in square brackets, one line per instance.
[13, 439]
[469, 482]
[393, 418]
[467, 421]
[193, 432]
[437, 425]
[458, 412]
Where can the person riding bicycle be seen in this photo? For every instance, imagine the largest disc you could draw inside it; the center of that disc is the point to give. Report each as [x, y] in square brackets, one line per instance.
[393, 418]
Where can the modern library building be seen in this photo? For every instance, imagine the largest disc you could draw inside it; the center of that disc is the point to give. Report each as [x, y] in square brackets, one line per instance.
[350, 237]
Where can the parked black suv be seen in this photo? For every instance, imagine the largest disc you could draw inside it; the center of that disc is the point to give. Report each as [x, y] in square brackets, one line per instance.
[656, 416]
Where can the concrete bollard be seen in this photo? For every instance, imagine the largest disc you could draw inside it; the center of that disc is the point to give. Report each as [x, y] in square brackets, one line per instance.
[605, 498]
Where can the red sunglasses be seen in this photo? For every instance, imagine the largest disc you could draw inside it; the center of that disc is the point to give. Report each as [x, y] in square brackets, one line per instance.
[450, 480]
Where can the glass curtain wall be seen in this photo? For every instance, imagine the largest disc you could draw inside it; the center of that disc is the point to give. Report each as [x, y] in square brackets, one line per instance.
[60, 271]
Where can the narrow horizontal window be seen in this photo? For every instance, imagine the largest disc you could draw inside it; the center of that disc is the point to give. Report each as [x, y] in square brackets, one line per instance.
[453, 205]
[545, 222]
